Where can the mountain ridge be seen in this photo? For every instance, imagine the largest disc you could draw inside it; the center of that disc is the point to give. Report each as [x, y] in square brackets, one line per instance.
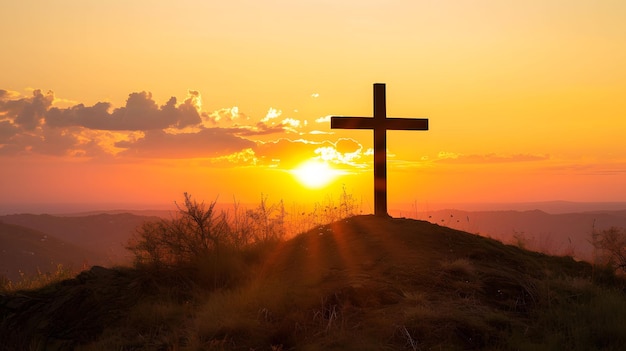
[28, 252]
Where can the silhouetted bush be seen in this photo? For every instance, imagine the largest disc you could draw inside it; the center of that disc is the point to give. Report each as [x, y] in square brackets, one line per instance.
[612, 245]
[200, 232]
[197, 231]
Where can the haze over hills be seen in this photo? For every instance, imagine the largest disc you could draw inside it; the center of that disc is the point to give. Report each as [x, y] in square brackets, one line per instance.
[99, 237]
[400, 210]
[29, 251]
[558, 234]
[71, 240]
[75, 209]
[552, 207]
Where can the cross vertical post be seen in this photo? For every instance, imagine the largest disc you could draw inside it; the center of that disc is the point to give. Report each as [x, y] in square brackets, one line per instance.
[380, 150]
[379, 124]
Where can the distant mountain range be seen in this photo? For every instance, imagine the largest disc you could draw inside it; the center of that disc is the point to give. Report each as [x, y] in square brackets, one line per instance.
[40, 242]
[557, 234]
[552, 207]
[27, 251]
[30, 242]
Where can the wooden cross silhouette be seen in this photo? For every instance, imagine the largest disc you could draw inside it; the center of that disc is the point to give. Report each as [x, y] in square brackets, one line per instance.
[380, 124]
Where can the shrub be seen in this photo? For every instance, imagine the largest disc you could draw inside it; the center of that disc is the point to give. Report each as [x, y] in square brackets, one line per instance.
[198, 231]
[612, 245]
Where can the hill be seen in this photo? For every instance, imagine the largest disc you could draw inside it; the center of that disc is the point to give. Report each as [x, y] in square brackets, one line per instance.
[363, 283]
[102, 235]
[30, 251]
[558, 234]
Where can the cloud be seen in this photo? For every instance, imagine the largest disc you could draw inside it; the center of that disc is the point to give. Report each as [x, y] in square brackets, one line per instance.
[7, 130]
[140, 113]
[245, 157]
[6, 95]
[293, 123]
[58, 143]
[142, 128]
[348, 145]
[231, 114]
[325, 119]
[30, 125]
[26, 113]
[271, 114]
[454, 158]
[319, 132]
[287, 153]
[344, 151]
[206, 143]
[288, 125]
[258, 129]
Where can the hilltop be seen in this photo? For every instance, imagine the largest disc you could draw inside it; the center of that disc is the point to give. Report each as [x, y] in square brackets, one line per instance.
[362, 283]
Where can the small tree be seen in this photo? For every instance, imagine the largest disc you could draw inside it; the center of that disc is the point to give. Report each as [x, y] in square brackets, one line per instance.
[196, 232]
[612, 244]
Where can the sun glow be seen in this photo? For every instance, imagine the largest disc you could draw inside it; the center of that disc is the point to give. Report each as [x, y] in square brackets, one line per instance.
[315, 174]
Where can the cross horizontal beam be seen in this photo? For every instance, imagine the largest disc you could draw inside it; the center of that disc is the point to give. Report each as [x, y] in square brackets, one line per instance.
[371, 123]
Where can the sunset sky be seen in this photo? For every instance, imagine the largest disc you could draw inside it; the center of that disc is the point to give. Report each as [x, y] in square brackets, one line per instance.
[136, 102]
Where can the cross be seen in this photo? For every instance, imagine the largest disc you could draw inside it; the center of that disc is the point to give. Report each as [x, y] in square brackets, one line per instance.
[380, 124]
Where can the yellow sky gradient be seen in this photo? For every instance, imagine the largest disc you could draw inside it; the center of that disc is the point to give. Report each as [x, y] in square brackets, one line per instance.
[526, 99]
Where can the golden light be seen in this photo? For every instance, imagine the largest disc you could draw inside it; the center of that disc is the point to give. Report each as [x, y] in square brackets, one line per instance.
[315, 174]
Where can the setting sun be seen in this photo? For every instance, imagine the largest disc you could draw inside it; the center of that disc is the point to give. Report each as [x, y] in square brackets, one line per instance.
[315, 174]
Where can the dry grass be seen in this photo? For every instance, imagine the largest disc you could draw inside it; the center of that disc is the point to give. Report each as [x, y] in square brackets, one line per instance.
[37, 281]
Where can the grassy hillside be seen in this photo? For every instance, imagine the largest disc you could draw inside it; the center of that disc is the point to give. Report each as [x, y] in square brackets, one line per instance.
[363, 283]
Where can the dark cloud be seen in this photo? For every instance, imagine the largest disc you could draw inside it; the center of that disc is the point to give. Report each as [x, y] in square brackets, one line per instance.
[26, 113]
[89, 117]
[21, 143]
[142, 128]
[51, 141]
[140, 113]
[206, 143]
[5, 95]
[7, 131]
[57, 142]
[187, 112]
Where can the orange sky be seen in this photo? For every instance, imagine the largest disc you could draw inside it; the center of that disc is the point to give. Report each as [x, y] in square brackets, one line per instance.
[139, 101]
